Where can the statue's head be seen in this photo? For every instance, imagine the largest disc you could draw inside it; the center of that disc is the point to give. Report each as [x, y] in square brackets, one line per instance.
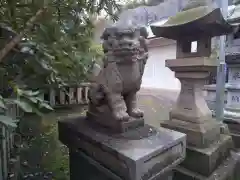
[123, 41]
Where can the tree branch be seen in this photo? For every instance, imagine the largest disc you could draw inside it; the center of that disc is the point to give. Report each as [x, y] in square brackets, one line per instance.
[19, 37]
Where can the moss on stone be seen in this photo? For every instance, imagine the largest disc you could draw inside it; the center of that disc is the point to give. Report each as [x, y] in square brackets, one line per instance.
[188, 16]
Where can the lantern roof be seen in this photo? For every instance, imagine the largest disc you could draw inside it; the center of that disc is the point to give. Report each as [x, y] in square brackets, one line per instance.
[195, 21]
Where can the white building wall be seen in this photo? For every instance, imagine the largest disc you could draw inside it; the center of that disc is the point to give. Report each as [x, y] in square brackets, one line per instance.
[156, 75]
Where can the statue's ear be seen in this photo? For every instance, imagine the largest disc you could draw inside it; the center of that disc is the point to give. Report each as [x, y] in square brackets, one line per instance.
[143, 32]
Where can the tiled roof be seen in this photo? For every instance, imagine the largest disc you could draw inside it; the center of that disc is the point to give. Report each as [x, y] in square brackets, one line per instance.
[144, 15]
[148, 15]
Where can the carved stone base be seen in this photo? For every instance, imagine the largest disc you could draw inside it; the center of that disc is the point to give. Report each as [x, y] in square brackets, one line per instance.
[205, 161]
[114, 125]
[99, 155]
[234, 128]
[198, 135]
[226, 171]
[95, 171]
[236, 140]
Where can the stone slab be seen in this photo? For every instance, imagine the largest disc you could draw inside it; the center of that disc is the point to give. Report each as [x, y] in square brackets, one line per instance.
[233, 125]
[234, 129]
[95, 171]
[208, 159]
[236, 154]
[194, 64]
[144, 153]
[116, 126]
[226, 171]
[236, 140]
[198, 135]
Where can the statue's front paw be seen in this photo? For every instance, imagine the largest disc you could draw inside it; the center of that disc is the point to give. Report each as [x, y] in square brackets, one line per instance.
[121, 116]
[137, 113]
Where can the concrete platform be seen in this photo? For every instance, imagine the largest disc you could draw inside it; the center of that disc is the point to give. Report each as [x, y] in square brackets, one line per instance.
[205, 161]
[198, 135]
[144, 153]
[224, 172]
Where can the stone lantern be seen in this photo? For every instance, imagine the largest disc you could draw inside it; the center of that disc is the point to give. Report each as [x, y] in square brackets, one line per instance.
[198, 23]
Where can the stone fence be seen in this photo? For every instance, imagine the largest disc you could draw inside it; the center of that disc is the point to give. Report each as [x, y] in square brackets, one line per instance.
[72, 95]
[210, 96]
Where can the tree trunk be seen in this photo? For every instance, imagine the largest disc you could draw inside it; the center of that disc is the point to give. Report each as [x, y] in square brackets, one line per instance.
[19, 37]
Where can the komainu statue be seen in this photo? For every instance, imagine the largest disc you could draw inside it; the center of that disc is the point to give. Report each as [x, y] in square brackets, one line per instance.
[113, 93]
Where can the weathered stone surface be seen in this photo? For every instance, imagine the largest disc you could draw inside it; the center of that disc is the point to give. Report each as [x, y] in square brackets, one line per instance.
[113, 101]
[233, 125]
[236, 154]
[144, 153]
[194, 64]
[95, 171]
[234, 128]
[116, 126]
[191, 114]
[236, 140]
[226, 171]
[187, 23]
[205, 161]
[198, 135]
[199, 22]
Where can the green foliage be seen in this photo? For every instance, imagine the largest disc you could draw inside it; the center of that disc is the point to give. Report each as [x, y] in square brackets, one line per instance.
[31, 101]
[58, 49]
[61, 40]
[57, 160]
[42, 153]
[7, 121]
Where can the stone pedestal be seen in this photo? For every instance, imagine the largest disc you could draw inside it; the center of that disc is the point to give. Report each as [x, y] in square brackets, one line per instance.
[207, 150]
[191, 114]
[232, 110]
[143, 153]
